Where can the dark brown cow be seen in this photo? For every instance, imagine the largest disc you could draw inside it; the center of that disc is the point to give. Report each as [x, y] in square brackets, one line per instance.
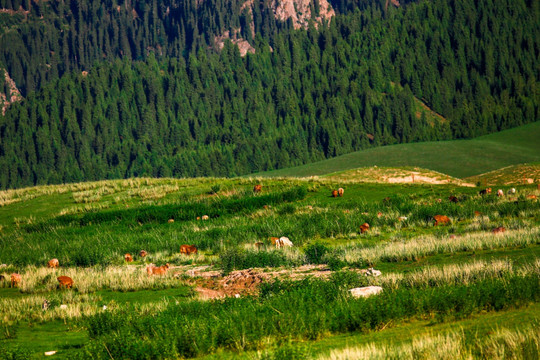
[257, 188]
[499, 230]
[15, 280]
[53, 263]
[188, 249]
[335, 193]
[453, 199]
[485, 191]
[65, 282]
[441, 220]
[364, 228]
[128, 258]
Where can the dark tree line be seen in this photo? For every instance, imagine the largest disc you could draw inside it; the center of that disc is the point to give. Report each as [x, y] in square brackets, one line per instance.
[317, 94]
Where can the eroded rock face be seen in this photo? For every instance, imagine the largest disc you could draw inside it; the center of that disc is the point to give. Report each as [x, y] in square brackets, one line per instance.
[12, 93]
[300, 12]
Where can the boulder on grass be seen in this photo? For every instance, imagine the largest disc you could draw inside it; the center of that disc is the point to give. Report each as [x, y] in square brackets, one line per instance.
[366, 291]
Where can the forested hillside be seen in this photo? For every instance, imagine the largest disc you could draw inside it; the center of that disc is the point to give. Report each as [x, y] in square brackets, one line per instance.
[138, 88]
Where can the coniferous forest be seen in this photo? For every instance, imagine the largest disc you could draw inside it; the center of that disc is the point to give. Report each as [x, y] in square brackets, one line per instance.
[117, 89]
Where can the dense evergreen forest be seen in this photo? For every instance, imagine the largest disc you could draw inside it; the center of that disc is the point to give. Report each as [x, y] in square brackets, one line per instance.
[137, 88]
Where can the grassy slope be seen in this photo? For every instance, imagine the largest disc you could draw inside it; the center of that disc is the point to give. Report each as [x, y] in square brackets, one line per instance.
[459, 158]
[516, 174]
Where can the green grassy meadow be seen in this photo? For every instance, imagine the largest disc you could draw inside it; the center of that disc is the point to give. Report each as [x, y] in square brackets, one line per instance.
[458, 158]
[456, 284]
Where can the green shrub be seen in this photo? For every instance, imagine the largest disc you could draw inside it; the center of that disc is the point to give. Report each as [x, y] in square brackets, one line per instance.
[315, 253]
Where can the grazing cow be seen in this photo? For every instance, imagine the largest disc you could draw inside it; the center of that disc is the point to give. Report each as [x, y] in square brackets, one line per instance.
[500, 193]
[266, 207]
[157, 270]
[477, 213]
[402, 218]
[499, 230]
[283, 242]
[453, 236]
[379, 214]
[15, 280]
[364, 228]
[65, 282]
[441, 220]
[531, 196]
[512, 191]
[198, 218]
[453, 199]
[53, 263]
[170, 221]
[335, 193]
[259, 245]
[128, 258]
[340, 191]
[205, 217]
[274, 240]
[188, 249]
[257, 188]
[485, 191]
[143, 253]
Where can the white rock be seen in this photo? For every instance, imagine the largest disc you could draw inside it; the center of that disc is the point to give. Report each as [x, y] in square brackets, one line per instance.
[49, 353]
[63, 306]
[237, 296]
[104, 307]
[366, 291]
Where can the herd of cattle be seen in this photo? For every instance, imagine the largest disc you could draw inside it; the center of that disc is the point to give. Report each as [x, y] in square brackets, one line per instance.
[281, 242]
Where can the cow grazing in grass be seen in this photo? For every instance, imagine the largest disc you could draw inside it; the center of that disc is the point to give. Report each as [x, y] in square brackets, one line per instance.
[477, 213]
[485, 191]
[15, 280]
[157, 270]
[205, 217]
[453, 199]
[531, 197]
[257, 188]
[499, 230]
[512, 191]
[340, 191]
[128, 258]
[188, 249]
[53, 263]
[170, 221]
[335, 193]
[441, 220]
[65, 282]
[143, 253]
[283, 242]
[500, 193]
[273, 240]
[364, 228]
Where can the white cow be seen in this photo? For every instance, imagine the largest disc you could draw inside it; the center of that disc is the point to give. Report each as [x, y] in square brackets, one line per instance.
[366, 291]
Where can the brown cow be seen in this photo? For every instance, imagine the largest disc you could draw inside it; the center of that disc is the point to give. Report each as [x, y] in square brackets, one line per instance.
[157, 270]
[531, 196]
[128, 258]
[441, 220]
[477, 213]
[257, 188]
[453, 199]
[188, 249]
[499, 230]
[205, 217]
[364, 228]
[335, 193]
[485, 191]
[65, 281]
[500, 193]
[53, 263]
[15, 280]
[340, 191]
[170, 221]
[259, 245]
[143, 253]
[274, 240]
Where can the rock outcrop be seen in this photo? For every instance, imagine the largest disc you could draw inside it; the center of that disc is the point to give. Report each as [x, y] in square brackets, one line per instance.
[12, 93]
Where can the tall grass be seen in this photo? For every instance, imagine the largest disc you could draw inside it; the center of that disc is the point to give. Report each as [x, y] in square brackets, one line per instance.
[522, 344]
[309, 309]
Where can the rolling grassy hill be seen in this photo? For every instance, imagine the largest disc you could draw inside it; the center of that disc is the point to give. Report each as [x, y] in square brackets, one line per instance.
[515, 174]
[458, 158]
